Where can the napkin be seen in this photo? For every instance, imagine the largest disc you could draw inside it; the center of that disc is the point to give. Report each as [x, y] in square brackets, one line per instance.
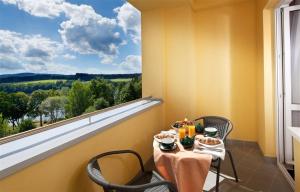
[198, 148]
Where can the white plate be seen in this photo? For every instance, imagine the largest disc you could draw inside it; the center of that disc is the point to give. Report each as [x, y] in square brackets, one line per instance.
[159, 140]
[211, 146]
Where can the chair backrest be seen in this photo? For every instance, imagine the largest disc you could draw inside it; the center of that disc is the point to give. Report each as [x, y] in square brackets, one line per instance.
[223, 125]
[94, 172]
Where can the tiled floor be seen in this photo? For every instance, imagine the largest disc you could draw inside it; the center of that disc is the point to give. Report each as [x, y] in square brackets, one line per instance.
[255, 172]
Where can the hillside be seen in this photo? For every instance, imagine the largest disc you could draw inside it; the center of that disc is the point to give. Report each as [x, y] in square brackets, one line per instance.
[21, 77]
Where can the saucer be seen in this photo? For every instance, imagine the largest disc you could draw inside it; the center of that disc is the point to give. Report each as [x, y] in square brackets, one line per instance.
[166, 148]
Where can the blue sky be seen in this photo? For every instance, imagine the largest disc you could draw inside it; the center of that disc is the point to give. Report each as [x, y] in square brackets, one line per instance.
[69, 36]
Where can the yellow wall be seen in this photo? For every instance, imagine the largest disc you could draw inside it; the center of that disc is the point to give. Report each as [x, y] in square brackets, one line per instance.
[260, 74]
[207, 64]
[169, 68]
[266, 120]
[215, 60]
[226, 65]
[66, 170]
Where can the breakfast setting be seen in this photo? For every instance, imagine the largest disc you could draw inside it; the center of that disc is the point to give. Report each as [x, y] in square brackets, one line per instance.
[188, 148]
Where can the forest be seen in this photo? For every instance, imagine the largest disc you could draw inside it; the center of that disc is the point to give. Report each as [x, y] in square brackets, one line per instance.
[25, 106]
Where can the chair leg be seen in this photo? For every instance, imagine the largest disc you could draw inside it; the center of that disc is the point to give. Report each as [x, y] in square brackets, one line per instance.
[218, 174]
[233, 166]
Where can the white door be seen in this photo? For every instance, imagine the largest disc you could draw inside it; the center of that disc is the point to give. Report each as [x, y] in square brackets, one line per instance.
[291, 24]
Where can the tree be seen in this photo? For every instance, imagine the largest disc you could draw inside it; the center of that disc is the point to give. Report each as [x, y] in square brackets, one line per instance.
[4, 105]
[100, 103]
[102, 88]
[64, 91]
[26, 125]
[53, 107]
[126, 93]
[17, 107]
[35, 101]
[79, 99]
[53, 93]
[3, 126]
[137, 83]
[90, 109]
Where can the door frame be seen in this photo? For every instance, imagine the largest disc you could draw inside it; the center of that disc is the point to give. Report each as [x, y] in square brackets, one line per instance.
[279, 91]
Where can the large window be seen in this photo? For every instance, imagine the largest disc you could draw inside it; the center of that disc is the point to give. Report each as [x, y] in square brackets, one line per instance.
[64, 58]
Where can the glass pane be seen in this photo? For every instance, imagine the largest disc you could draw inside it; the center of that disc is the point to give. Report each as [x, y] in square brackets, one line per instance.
[296, 118]
[295, 55]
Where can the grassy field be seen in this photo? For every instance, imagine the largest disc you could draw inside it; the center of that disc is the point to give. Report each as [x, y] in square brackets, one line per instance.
[120, 80]
[38, 82]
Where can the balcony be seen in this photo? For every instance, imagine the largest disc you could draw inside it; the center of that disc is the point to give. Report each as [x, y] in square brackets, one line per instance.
[199, 58]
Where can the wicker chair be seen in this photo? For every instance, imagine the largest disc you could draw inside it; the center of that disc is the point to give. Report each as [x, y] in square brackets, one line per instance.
[224, 127]
[146, 181]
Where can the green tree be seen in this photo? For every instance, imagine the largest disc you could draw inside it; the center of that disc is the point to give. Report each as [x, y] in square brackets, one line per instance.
[35, 101]
[102, 88]
[18, 106]
[4, 105]
[90, 109]
[126, 93]
[64, 91]
[100, 103]
[3, 126]
[26, 125]
[53, 107]
[53, 93]
[79, 99]
[137, 83]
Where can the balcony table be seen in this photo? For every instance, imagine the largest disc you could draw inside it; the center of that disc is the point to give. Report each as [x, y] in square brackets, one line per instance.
[183, 167]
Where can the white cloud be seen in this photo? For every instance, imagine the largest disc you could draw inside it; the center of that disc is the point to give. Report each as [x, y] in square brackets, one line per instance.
[39, 8]
[84, 31]
[8, 63]
[129, 18]
[69, 56]
[28, 47]
[132, 64]
[107, 59]
[87, 32]
[61, 68]
[28, 52]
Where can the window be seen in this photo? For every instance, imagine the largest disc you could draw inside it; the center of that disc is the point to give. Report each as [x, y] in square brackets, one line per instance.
[64, 58]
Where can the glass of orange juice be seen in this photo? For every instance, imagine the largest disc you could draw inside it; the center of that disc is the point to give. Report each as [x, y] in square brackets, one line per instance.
[181, 133]
[192, 131]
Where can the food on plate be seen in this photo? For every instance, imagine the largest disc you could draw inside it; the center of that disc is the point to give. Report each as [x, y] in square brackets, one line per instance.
[161, 136]
[208, 140]
[185, 122]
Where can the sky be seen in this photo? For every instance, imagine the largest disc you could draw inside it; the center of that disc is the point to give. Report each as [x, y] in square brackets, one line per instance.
[69, 36]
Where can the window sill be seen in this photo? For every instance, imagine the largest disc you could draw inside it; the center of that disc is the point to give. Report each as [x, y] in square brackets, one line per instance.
[23, 152]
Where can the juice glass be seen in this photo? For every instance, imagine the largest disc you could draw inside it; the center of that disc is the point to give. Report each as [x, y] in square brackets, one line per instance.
[181, 133]
[192, 131]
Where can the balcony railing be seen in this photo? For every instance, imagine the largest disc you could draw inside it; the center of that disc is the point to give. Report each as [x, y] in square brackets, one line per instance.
[25, 149]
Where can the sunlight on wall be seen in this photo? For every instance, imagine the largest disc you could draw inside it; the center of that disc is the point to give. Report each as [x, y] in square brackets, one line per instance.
[216, 60]
[209, 64]
[227, 63]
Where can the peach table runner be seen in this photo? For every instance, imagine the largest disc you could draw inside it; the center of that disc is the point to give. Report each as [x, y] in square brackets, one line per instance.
[186, 169]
